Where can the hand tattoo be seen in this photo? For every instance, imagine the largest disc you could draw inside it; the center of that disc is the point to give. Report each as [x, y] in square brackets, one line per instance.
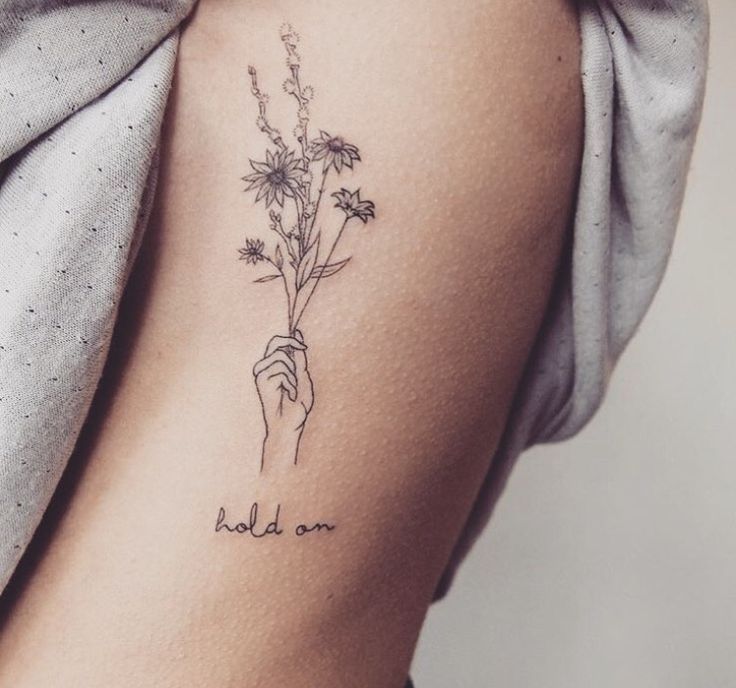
[301, 249]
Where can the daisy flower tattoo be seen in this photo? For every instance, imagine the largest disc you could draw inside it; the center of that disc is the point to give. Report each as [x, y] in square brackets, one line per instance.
[350, 203]
[335, 151]
[277, 178]
[252, 252]
[297, 247]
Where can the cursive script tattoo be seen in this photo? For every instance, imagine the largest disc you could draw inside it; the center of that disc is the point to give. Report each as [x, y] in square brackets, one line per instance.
[257, 529]
[293, 181]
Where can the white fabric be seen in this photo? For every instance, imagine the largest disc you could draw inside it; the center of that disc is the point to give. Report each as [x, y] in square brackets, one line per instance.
[83, 88]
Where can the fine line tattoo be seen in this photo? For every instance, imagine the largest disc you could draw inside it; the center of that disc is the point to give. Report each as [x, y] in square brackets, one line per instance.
[293, 183]
[255, 527]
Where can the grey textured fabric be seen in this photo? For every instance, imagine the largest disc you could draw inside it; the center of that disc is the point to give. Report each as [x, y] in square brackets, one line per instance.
[83, 88]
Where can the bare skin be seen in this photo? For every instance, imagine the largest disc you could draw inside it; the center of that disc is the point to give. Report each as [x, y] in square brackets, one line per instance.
[469, 119]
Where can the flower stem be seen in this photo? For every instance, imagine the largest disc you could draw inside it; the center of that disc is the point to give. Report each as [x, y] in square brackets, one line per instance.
[319, 277]
[273, 134]
[302, 116]
[299, 203]
[289, 305]
[278, 227]
[316, 205]
[303, 122]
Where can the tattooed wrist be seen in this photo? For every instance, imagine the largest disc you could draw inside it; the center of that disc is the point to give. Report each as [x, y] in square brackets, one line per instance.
[280, 449]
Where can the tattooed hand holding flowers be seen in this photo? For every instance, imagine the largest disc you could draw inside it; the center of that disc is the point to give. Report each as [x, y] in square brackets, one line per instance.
[297, 254]
[285, 390]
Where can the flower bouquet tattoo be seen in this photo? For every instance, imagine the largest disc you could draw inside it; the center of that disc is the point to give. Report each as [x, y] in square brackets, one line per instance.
[292, 183]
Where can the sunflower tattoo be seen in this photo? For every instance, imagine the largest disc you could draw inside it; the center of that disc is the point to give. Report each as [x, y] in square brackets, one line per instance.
[291, 182]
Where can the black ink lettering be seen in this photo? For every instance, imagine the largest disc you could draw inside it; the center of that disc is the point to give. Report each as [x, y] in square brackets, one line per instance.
[303, 529]
[271, 528]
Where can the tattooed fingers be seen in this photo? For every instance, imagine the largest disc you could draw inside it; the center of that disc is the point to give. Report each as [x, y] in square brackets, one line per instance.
[300, 357]
[284, 366]
[279, 342]
[279, 368]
